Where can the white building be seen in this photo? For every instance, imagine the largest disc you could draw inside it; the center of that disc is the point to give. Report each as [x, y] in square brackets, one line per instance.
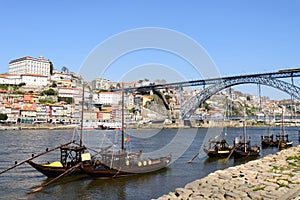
[57, 76]
[10, 79]
[30, 65]
[108, 98]
[100, 84]
[68, 92]
[28, 79]
[34, 79]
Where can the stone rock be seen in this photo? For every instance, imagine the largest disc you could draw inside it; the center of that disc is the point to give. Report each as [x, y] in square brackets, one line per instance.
[183, 193]
[223, 175]
[282, 182]
[256, 179]
[271, 184]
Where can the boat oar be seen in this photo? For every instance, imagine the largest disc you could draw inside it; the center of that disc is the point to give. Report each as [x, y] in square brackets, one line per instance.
[190, 161]
[230, 154]
[34, 156]
[55, 179]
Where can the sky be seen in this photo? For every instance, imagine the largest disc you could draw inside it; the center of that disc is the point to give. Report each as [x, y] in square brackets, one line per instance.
[239, 37]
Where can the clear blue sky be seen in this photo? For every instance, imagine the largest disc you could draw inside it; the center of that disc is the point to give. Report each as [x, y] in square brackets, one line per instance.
[241, 37]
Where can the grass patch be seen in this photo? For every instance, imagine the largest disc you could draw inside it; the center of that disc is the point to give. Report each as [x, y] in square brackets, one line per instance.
[293, 164]
[259, 188]
[297, 158]
[283, 185]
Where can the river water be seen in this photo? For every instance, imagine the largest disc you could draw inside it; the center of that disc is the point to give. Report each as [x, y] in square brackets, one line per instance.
[183, 144]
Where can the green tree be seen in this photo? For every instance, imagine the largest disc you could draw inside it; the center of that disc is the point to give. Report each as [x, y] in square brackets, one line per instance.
[3, 116]
[54, 84]
[21, 84]
[132, 110]
[49, 92]
[51, 67]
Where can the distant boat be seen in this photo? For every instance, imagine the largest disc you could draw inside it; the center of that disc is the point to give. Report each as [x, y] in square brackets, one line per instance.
[268, 140]
[283, 139]
[218, 148]
[243, 148]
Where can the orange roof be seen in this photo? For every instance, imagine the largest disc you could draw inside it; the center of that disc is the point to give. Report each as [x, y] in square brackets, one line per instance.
[6, 75]
[40, 75]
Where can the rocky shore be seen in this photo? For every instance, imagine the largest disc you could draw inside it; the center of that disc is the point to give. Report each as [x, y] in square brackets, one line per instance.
[272, 177]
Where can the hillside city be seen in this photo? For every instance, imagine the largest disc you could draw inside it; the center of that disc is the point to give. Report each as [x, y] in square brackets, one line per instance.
[34, 92]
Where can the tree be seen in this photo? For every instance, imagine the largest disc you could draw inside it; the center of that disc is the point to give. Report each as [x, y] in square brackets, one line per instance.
[3, 116]
[51, 67]
[21, 84]
[49, 92]
[64, 69]
[54, 84]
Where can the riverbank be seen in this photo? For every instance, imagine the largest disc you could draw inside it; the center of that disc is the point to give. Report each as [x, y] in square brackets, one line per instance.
[177, 125]
[271, 177]
[36, 126]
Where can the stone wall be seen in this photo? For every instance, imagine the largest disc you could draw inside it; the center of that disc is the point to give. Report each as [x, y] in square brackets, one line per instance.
[272, 177]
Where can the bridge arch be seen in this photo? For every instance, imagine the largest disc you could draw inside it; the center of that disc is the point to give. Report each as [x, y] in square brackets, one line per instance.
[188, 108]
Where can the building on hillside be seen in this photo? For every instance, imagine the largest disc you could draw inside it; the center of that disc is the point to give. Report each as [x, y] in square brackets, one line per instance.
[68, 92]
[30, 65]
[108, 98]
[56, 76]
[34, 79]
[100, 84]
[28, 79]
[10, 79]
[28, 113]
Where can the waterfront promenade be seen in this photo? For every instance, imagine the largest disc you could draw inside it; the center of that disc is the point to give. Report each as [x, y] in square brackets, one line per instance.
[272, 177]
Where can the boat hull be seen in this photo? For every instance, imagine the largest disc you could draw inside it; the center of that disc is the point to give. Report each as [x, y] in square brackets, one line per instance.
[242, 154]
[52, 172]
[217, 154]
[125, 170]
[269, 144]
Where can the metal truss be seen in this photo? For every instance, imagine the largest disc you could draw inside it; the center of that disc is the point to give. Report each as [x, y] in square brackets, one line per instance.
[188, 108]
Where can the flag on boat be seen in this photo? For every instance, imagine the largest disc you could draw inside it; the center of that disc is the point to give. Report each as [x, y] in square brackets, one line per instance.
[126, 139]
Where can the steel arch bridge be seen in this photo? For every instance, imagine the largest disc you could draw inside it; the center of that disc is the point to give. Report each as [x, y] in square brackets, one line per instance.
[188, 108]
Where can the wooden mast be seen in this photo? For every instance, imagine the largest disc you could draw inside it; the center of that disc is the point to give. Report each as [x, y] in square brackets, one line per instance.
[82, 108]
[245, 134]
[122, 119]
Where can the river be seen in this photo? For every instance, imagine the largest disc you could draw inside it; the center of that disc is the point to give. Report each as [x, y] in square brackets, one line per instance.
[183, 144]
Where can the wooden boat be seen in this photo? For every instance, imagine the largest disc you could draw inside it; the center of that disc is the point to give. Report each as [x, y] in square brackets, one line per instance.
[243, 148]
[70, 156]
[121, 163]
[283, 139]
[218, 148]
[116, 164]
[268, 141]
